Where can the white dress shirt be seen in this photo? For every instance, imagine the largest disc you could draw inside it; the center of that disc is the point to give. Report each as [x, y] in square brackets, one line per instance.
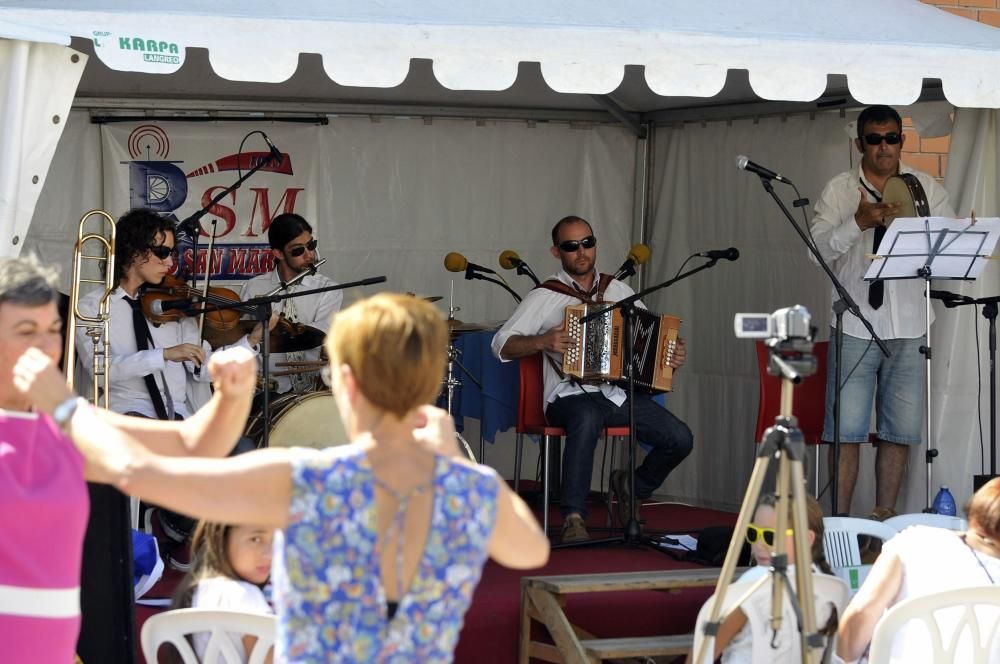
[540, 311]
[128, 365]
[843, 245]
[314, 310]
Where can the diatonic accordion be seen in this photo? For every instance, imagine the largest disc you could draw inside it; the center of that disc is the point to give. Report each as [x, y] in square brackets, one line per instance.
[598, 354]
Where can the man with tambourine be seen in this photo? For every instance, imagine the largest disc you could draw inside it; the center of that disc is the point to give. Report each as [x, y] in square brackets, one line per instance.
[585, 409]
[851, 216]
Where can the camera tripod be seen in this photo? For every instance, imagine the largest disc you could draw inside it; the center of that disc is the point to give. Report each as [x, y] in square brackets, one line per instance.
[792, 359]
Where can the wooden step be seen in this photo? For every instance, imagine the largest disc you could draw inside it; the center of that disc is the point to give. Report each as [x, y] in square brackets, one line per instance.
[638, 646]
[618, 581]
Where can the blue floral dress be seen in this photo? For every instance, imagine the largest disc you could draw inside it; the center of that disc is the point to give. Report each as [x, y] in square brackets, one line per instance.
[328, 592]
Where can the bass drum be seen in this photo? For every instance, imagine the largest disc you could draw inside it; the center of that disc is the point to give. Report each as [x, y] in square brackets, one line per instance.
[300, 420]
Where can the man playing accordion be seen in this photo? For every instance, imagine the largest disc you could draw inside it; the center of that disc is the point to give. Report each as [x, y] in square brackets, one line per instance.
[584, 410]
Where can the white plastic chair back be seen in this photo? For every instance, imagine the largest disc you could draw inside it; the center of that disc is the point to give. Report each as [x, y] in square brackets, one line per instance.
[173, 626]
[840, 542]
[963, 626]
[926, 519]
[827, 590]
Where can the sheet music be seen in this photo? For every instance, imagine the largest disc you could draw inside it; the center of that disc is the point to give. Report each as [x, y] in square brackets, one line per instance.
[954, 248]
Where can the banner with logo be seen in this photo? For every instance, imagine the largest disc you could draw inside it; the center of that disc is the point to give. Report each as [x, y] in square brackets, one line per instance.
[177, 168]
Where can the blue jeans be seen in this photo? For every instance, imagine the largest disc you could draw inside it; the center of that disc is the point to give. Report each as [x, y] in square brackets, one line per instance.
[584, 416]
[896, 383]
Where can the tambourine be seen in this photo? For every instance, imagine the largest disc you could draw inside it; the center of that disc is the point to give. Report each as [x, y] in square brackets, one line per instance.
[905, 190]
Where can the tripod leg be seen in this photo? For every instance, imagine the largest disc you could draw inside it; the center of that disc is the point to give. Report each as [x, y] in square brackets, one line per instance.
[803, 557]
[735, 546]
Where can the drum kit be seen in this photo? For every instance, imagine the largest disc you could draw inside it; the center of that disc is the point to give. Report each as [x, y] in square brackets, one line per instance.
[311, 418]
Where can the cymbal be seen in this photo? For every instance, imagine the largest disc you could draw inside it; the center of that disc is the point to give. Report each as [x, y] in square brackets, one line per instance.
[458, 327]
[284, 339]
[428, 298]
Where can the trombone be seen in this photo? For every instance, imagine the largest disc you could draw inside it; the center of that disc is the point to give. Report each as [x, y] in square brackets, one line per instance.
[102, 244]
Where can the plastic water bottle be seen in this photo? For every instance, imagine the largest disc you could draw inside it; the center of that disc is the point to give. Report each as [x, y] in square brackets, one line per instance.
[944, 502]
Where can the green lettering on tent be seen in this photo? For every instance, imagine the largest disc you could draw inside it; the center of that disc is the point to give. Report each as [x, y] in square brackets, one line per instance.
[151, 46]
[138, 44]
[124, 43]
[162, 47]
[173, 48]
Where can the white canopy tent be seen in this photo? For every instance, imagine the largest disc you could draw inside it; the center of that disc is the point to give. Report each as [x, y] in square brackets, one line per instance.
[586, 63]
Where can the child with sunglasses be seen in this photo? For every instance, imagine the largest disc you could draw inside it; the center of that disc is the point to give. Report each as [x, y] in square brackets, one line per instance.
[751, 620]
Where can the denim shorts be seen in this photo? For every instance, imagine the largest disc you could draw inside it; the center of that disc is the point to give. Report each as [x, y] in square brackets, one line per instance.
[897, 384]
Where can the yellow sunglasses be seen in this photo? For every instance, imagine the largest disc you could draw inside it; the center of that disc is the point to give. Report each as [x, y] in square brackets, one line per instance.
[755, 532]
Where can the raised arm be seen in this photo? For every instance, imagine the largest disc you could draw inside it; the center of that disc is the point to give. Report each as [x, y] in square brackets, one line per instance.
[212, 431]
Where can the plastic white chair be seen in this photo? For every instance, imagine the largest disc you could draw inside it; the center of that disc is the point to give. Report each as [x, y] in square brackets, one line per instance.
[963, 626]
[173, 626]
[840, 541]
[926, 519]
[827, 589]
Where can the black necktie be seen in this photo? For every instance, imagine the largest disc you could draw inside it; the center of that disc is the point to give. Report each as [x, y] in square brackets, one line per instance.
[143, 337]
[876, 289]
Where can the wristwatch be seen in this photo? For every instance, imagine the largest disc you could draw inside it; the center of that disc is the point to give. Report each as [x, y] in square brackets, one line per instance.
[63, 413]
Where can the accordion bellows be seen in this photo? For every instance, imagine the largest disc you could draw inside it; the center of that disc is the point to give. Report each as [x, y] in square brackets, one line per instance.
[598, 353]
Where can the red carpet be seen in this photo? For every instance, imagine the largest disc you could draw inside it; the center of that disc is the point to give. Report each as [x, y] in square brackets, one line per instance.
[491, 625]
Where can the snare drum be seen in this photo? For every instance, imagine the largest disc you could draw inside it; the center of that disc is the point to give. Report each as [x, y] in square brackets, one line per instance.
[906, 190]
[300, 420]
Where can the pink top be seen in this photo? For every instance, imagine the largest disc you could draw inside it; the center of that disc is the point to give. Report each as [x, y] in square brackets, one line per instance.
[43, 516]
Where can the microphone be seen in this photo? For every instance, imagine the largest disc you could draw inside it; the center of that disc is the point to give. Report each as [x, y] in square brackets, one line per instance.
[951, 300]
[275, 152]
[159, 307]
[509, 259]
[637, 255]
[743, 163]
[456, 262]
[730, 254]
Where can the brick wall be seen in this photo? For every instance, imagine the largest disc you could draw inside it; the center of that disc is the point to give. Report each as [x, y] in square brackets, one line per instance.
[931, 154]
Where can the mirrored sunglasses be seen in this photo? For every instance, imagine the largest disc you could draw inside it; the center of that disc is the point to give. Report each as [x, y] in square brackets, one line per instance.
[892, 138]
[162, 251]
[569, 246]
[301, 249]
[755, 532]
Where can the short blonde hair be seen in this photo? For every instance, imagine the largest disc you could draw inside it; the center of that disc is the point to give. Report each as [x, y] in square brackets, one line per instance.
[396, 346]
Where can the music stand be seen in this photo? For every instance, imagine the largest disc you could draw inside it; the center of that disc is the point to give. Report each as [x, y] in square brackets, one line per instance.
[933, 248]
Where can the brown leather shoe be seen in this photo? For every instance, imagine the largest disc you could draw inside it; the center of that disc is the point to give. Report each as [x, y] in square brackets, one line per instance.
[574, 530]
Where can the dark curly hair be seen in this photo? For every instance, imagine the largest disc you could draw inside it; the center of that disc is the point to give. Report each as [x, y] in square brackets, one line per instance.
[135, 231]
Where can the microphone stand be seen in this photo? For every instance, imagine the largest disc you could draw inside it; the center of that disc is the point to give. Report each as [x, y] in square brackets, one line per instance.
[191, 225]
[627, 306]
[523, 269]
[470, 273]
[260, 309]
[845, 303]
[952, 300]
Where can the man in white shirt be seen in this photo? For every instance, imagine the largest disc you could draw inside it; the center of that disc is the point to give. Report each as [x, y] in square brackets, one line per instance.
[148, 368]
[585, 410]
[294, 250]
[850, 215]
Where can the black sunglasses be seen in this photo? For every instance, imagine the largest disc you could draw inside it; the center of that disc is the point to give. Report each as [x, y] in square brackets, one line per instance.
[892, 138]
[162, 251]
[569, 246]
[301, 249]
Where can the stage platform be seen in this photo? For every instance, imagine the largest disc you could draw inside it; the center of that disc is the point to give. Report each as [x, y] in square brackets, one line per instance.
[491, 625]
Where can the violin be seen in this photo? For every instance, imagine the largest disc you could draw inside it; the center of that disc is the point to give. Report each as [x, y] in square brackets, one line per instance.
[173, 289]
